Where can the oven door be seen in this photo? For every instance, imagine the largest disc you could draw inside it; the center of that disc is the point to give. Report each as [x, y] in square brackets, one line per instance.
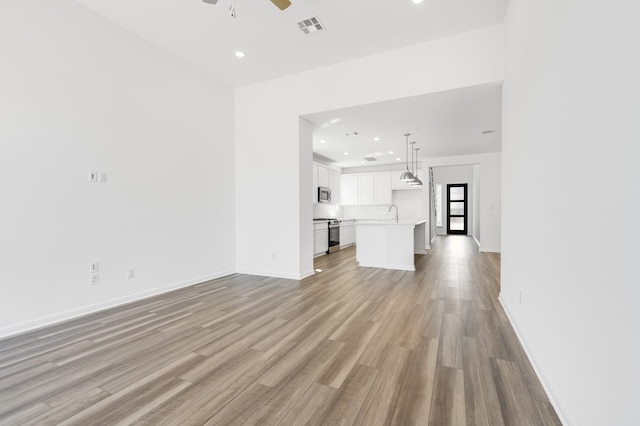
[334, 238]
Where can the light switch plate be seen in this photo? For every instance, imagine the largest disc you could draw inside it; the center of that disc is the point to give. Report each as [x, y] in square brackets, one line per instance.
[93, 177]
[93, 267]
[102, 177]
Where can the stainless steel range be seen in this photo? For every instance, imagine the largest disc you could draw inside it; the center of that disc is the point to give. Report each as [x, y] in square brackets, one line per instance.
[334, 236]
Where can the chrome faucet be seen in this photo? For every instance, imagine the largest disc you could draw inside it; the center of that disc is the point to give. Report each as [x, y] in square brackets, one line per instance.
[393, 205]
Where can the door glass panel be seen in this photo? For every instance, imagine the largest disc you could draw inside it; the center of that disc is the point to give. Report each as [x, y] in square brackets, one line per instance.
[456, 193]
[456, 223]
[456, 208]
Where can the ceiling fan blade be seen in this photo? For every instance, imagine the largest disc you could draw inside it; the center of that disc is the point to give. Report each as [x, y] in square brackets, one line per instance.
[282, 4]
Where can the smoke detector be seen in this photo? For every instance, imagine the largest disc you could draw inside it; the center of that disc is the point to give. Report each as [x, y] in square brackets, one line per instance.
[310, 25]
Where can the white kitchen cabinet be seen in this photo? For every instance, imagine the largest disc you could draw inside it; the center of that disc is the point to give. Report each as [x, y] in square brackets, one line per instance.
[366, 189]
[334, 184]
[315, 183]
[349, 190]
[383, 188]
[347, 233]
[321, 241]
[323, 177]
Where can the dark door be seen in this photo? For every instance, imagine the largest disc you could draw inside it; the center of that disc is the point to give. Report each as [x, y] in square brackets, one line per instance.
[457, 208]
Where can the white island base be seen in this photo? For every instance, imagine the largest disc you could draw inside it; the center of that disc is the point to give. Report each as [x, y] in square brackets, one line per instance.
[390, 245]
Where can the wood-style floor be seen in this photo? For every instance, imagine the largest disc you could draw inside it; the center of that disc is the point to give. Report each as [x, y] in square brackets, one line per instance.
[347, 346]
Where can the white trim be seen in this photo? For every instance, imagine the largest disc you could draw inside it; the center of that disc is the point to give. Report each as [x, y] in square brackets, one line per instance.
[489, 250]
[561, 411]
[476, 240]
[90, 309]
[387, 266]
[424, 251]
[307, 274]
[272, 275]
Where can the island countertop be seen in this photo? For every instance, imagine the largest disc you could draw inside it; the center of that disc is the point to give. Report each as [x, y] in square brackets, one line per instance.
[374, 222]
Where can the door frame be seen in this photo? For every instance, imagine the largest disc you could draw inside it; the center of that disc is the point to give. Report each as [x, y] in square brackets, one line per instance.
[466, 208]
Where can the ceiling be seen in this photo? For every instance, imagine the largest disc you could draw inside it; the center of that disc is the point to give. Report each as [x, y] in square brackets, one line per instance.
[208, 37]
[442, 124]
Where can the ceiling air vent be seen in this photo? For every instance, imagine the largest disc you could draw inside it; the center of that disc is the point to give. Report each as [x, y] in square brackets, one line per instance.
[371, 158]
[310, 25]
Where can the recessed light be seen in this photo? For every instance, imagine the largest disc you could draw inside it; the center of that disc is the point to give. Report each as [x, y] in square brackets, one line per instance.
[346, 153]
[376, 139]
[240, 54]
[398, 159]
[334, 121]
[417, 1]
[323, 141]
[362, 162]
[390, 152]
[377, 154]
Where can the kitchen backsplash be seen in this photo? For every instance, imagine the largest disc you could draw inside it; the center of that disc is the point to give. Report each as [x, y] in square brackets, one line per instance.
[326, 211]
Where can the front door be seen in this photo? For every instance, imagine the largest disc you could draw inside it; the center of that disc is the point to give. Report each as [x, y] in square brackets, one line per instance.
[457, 208]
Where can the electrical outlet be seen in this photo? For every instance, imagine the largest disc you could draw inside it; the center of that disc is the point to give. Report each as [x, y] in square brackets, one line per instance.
[95, 280]
[131, 273]
[93, 177]
[93, 267]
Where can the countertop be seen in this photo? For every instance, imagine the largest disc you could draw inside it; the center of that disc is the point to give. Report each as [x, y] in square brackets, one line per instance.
[390, 222]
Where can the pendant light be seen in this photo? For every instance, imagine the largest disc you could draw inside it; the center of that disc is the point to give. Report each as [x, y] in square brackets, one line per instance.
[407, 175]
[416, 181]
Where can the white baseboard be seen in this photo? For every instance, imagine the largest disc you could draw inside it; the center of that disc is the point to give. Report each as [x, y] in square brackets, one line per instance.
[90, 309]
[489, 250]
[476, 240]
[561, 411]
[420, 251]
[272, 274]
[307, 274]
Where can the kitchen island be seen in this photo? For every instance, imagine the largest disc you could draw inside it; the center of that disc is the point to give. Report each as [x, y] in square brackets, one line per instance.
[390, 245]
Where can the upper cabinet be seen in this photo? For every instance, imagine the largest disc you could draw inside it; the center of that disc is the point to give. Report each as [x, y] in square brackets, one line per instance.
[323, 176]
[366, 189]
[382, 188]
[349, 190]
[334, 184]
[371, 188]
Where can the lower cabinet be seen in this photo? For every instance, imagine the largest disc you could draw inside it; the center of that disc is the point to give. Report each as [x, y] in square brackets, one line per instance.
[347, 233]
[321, 241]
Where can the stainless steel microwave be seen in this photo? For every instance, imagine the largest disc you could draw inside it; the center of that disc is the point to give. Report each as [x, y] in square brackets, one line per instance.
[324, 194]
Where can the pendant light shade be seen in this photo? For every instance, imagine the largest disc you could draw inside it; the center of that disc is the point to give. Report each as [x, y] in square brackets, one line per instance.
[407, 175]
[416, 181]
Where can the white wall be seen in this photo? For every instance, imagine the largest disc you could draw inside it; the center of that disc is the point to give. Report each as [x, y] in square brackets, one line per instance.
[78, 94]
[267, 131]
[476, 203]
[571, 161]
[489, 213]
